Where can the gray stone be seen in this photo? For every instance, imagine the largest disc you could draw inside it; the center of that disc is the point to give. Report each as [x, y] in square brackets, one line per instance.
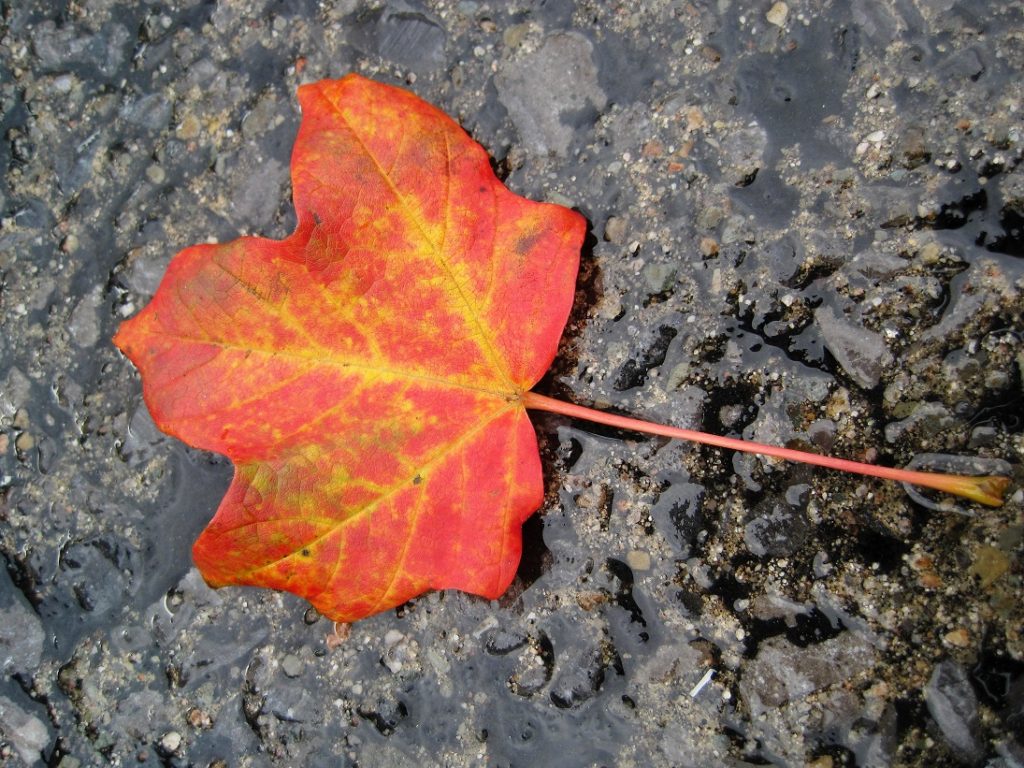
[954, 707]
[84, 324]
[1011, 755]
[262, 116]
[404, 33]
[229, 16]
[628, 128]
[745, 151]
[776, 606]
[861, 352]
[659, 277]
[258, 194]
[782, 672]
[874, 266]
[892, 206]
[668, 663]
[58, 48]
[291, 665]
[14, 393]
[875, 20]
[927, 419]
[779, 529]
[152, 111]
[579, 677]
[964, 307]
[963, 65]
[25, 732]
[21, 639]
[142, 438]
[146, 270]
[552, 92]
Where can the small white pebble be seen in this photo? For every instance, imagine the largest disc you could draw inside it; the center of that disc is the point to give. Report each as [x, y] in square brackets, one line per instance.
[170, 742]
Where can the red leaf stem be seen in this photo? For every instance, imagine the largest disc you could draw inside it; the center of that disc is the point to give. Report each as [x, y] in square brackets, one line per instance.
[988, 489]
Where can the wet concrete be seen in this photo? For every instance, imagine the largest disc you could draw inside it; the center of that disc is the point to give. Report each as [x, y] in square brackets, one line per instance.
[805, 229]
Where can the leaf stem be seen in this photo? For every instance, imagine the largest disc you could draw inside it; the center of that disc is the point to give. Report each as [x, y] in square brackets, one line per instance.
[987, 489]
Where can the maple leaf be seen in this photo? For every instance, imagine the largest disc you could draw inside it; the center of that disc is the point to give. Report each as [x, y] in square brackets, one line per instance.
[365, 375]
[369, 375]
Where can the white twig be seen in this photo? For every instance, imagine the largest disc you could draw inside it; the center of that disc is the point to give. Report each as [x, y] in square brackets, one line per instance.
[701, 683]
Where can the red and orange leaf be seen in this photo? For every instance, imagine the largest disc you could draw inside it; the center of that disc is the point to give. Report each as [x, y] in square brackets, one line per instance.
[365, 375]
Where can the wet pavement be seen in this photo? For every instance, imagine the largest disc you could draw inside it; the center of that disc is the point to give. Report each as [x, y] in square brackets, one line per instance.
[805, 229]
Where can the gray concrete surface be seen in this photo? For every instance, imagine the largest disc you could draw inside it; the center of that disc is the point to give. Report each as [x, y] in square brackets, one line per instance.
[805, 228]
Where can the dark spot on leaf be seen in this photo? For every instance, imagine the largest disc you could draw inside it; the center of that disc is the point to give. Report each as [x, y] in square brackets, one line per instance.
[527, 243]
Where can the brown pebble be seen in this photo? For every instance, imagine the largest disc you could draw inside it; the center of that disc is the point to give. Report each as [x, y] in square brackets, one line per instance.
[198, 718]
[189, 128]
[653, 148]
[588, 601]
[711, 54]
[958, 637]
[24, 442]
[21, 420]
[695, 120]
[708, 247]
[638, 560]
[990, 563]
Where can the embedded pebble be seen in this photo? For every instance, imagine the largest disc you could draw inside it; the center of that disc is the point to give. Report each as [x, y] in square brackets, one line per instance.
[615, 230]
[638, 560]
[152, 111]
[861, 352]
[542, 87]
[778, 14]
[292, 665]
[170, 742]
[783, 673]
[25, 732]
[21, 637]
[408, 35]
[84, 325]
[953, 705]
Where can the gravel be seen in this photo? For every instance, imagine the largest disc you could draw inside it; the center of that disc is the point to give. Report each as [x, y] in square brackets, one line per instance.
[806, 229]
